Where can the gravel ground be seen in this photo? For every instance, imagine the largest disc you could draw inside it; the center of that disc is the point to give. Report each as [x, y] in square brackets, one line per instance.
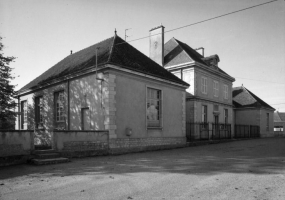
[248, 169]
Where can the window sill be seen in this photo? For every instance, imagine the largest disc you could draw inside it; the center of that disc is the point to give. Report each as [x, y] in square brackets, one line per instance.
[160, 128]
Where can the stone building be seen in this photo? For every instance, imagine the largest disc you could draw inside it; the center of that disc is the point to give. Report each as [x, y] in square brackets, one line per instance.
[108, 86]
[251, 110]
[208, 99]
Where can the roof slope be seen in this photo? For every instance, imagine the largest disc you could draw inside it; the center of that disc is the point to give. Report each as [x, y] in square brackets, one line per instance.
[113, 50]
[243, 98]
[279, 116]
[177, 52]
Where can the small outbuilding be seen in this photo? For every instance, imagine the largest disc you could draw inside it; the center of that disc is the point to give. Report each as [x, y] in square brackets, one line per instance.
[251, 110]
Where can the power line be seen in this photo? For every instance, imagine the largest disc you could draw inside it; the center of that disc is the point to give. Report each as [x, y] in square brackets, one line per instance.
[201, 21]
[259, 80]
[277, 104]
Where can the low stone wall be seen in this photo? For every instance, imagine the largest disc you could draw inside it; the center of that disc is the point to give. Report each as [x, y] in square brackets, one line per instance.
[81, 143]
[15, 146]
[127, 145]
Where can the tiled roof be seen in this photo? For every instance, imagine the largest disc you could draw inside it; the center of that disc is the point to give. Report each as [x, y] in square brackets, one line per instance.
[243, 98]
[279, 116]
[113, 50]
[177, 52]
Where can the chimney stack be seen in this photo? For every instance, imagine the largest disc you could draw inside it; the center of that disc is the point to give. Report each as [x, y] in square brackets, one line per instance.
[70, 52]
[156, 44]
[200, 50]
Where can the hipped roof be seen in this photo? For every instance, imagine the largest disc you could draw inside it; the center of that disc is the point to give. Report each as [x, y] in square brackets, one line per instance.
[243, 98]
[113, 50]
[177, 52]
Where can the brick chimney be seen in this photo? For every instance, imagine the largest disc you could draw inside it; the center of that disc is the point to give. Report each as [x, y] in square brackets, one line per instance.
[156, 44]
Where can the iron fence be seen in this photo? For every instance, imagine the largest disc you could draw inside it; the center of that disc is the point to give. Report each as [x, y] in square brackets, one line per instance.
[207, 131]
[246, 131]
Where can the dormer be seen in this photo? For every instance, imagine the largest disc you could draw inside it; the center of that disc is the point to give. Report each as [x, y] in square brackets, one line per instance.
[212, 60]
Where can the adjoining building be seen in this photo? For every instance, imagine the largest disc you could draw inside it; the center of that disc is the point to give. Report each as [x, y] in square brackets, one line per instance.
[108, 86]
[208, 101]
[279, 123]
[251, 110]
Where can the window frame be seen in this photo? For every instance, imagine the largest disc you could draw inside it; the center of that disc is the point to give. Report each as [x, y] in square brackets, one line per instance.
[24, 113]
[226, 116]
[160, 112]
[267, 121]
[204, 118]
[216, 89]
[204, 85]
[61, 116]
[226, 91]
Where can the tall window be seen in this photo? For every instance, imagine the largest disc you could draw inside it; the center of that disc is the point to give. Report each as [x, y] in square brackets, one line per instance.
[226, 91]
[153, 107]
[59, 106]
[39, 111]
[216, 88]
[204, 114]
[204, 85]
[24, 113]
[267, 121]
[226, 115]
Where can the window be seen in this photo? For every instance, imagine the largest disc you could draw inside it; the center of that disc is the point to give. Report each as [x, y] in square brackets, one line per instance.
[59, 106]
[216, 88]
[39, 111]
[226, 115]
[24, 113]
[226, 91]
[267, 121]
[153, 109]
[204, 114]
[85, 119]
[204, 85]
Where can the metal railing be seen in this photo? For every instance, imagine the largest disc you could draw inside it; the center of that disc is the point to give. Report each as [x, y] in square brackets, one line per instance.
[247, 131]
[207, 131]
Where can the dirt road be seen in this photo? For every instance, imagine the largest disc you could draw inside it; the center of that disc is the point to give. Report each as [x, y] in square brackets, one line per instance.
[249, 169]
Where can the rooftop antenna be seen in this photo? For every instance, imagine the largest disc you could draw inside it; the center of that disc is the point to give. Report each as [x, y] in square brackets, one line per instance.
[126, 33]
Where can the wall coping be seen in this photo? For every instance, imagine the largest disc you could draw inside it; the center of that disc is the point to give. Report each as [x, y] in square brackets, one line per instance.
[82, 131]
[3, 130]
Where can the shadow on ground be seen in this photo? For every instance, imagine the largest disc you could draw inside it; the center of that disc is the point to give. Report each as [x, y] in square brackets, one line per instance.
[259, 156]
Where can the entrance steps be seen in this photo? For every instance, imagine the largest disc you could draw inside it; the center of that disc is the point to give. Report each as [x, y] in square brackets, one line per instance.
[47, 157]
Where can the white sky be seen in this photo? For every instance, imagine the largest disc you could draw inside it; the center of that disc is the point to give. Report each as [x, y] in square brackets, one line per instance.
[250, 44]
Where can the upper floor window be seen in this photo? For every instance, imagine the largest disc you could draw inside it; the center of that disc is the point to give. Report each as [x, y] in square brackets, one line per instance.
[226, 92]
[59, 106]
[153, 108]
[24, 113]
[204, 85]
[216, 88]
[39, 110]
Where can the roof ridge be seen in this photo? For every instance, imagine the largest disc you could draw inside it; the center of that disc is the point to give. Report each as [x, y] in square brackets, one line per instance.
[177, 41]
[112, 49]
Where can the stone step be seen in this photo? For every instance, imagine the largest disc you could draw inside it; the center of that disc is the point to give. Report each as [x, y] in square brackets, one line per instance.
[47, 151]
[47, 155]
[50, 161]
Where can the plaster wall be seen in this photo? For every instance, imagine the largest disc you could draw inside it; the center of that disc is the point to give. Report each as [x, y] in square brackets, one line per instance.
[263, 122]
[48, 107]
[131, 107]
[87, 92]
[247, 117]
[15, 143]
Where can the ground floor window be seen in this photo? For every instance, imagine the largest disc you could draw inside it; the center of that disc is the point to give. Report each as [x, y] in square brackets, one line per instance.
[204, 114]
[267, 121]
[153, 108]
[59, 106]
[85, 119]
[226, 115]
[24, 113]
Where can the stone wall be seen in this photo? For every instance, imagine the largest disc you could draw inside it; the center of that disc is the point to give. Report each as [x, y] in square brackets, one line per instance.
[126, 145]
[15, 146]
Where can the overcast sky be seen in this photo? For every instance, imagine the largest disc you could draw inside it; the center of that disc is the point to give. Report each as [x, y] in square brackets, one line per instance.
[250, 44]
